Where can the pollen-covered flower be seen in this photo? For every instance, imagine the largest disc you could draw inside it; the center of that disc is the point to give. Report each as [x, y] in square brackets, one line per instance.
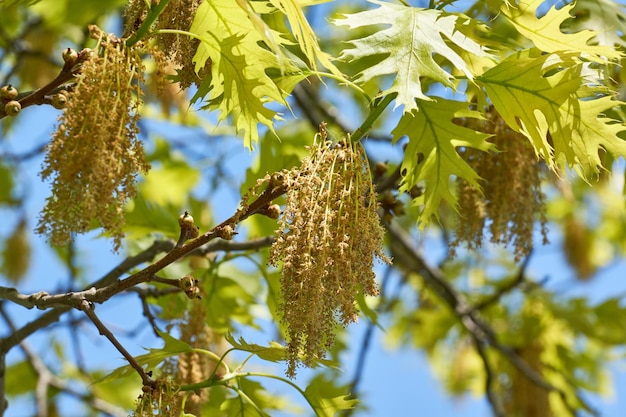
[329, 235]
[511, 199]
[180, 49]
[94, 156]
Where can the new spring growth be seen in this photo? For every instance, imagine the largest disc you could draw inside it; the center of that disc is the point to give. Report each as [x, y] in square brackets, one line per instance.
[271, 210]
[9, 94]
[189, 285]
[329, 237]
[226, 232]
[188, 230]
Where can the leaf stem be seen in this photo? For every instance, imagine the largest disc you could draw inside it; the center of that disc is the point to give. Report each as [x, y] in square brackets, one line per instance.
[152, 16]
[377, 109]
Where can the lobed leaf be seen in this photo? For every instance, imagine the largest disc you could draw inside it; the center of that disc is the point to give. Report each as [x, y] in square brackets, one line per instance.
[605, 17]
[304, 34]
[409, 43]
[154, 357]
[546, 34]
[239, 85]
[274, 352]
[326, 398]
[549, 99]
[431, 155]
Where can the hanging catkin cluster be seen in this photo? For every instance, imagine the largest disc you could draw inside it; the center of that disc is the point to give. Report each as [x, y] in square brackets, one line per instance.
[95, 156]
[329, 235]
[511, 199]
[178, 49]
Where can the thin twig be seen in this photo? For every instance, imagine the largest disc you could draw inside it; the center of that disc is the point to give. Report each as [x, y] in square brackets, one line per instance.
[67, 74]
[53, 315]
[511, 285]
[109, 285]
[47, 378]
[88, 309]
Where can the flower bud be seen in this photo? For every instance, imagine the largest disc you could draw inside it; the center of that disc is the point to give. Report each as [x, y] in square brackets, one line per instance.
[70, 56]
[12, 108]
[59, 101]
[227, 232]
[272, 211]
[185, 220]
[8, 92]
[188, 230]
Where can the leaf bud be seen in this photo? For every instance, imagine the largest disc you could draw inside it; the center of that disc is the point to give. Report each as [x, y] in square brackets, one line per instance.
[188, 230]
[12, 108]
[70, 56]
[59, 101]
[226, 232]
[186, 283]
[398, 208]
[185, 220]
[271, 210]
[415, 191]
[193, 293]
[8, 92]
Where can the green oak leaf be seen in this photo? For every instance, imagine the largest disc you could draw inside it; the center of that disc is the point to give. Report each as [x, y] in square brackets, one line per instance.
[431, 155]
[552, 101]
[545, 32]
[409, 43]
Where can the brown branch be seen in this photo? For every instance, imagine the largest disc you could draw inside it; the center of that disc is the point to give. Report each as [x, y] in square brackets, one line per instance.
[61, 303]
[109, 285]
[274, 189]
[53, 315]
[39, 96]
[88, 309]
[47, 379]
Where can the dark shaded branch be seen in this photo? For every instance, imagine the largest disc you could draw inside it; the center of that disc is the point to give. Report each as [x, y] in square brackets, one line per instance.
[405, 253]
[317, 111]
[492, 397]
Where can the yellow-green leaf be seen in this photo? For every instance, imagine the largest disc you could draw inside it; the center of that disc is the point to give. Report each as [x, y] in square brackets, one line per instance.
[16, 253]
[539, 94]
[546, 34]
[431, 157]
[304, 34]
[239, 85]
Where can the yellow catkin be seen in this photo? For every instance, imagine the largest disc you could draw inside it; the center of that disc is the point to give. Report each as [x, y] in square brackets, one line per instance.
[511, 200]
[195, 367]
[329, 236]
[180, 49]
[94, 157]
